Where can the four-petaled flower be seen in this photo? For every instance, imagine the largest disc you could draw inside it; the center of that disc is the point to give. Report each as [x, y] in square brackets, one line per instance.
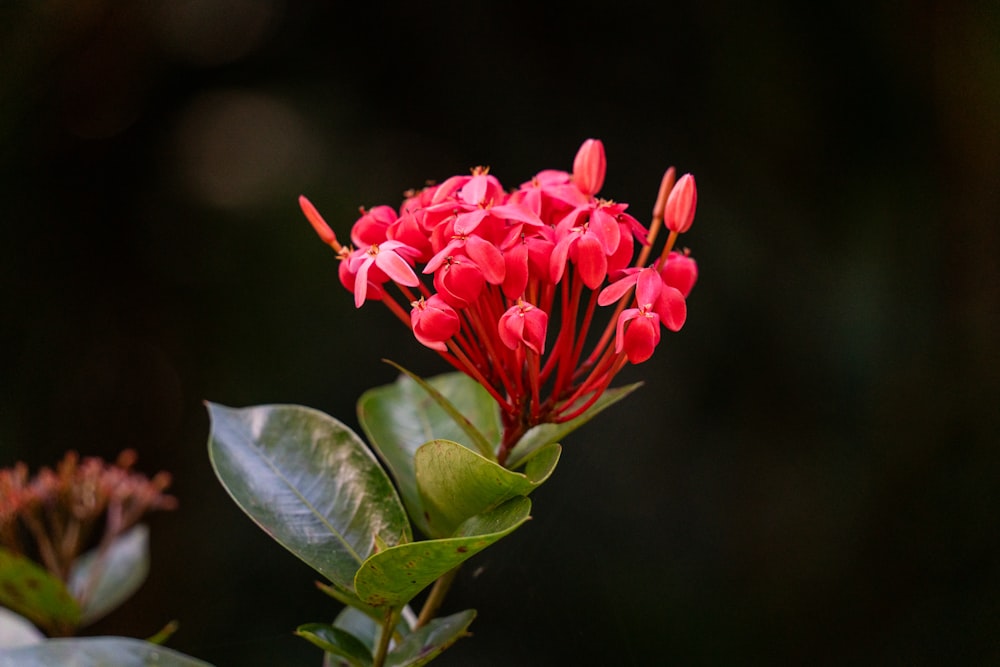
[378, 264]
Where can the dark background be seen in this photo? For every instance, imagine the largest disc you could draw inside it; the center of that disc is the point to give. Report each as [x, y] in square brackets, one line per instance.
[809, 475]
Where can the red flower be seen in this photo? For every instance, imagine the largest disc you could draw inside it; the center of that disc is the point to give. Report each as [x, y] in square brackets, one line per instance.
[380, 263]
[523, 323]
[501, 264]
[434, 322]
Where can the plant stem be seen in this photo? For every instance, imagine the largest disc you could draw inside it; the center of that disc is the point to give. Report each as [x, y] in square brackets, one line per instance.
[436, 597]
[388, 626]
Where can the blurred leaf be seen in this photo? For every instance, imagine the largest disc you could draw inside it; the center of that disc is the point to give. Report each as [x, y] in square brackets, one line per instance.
[400, 417]
[545, 434]
[310, 483]
[110, 580]
[96, 652]
[33, 592]
[393, 577]
[16, 630]
[430, 641]
[340, 643]
[456, 483]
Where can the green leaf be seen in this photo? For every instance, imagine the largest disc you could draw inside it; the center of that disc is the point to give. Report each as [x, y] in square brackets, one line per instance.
[455, 483]
[473, 435]
[31, 591]
[357, 608]
[367, 628]
[16, 630]
[393, 577]
[96, 652]
[360, 624]
[101, 584]
[309, 482]
[545, 434]
[339, 642]
[430, 641]
[400, 417]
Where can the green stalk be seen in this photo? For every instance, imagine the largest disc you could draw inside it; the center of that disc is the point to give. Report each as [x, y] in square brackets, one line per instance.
[436, 597]
[388, 626]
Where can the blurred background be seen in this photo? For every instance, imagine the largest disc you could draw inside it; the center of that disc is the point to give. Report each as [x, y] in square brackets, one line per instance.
[809, 476]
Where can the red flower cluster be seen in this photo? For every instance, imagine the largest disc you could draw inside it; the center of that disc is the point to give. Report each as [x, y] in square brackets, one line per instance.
[499, 266]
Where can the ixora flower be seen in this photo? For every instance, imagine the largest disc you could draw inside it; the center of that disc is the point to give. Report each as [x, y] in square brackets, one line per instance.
[499, 266]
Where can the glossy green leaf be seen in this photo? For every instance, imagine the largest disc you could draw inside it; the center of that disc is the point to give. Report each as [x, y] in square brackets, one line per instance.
[393, 577]
[16, 630]
[101, 584]
[545, 434]
[340, 643]
[96, 652]
[430, 641]
[32, 592]
[360, 624]
[367, 628]
[357, 608]
[476, 440]
[400, 417]
[310, 483]
[456, 483]
[349, 598]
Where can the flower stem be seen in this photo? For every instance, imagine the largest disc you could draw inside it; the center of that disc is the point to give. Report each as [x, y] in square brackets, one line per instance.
[666, 185]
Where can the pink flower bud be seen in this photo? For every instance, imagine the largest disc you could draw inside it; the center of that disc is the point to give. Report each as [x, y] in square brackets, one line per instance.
[589, 167]
[679, 213]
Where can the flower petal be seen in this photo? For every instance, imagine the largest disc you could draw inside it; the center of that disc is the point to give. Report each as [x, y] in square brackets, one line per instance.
[591, 261]
[672, 308]
[641, 338]
[488, 257]
[396, 268]
[617, 289]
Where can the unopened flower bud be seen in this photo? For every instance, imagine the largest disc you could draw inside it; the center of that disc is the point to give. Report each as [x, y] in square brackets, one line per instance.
[589, 167]
[681, 204]
[318, 223]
